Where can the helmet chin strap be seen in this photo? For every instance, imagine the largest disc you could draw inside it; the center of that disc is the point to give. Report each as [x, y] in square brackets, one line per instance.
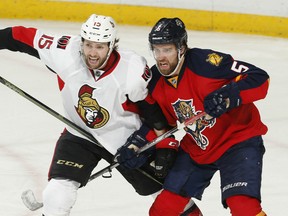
[180, 59]
[105, 62]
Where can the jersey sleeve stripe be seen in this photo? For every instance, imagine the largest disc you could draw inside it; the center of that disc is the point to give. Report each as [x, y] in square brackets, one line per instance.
[24, 35]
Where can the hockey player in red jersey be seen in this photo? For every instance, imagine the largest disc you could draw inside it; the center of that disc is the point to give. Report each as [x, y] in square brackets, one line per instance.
[188, 81]
[103, 91]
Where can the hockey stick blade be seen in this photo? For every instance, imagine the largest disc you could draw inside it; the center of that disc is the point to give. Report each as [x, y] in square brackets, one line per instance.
[30, 201]
[152, 143]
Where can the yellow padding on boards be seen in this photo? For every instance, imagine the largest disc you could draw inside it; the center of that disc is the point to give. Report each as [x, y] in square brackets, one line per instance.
[144, 15]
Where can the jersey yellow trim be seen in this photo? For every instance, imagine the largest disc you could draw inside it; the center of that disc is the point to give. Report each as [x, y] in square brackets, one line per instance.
[173, 81]
[262, 213]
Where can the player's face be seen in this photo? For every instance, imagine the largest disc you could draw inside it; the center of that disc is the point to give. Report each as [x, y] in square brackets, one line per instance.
[166, 56]
[94, 53]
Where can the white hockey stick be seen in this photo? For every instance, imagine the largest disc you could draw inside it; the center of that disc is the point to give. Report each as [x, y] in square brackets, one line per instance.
[28, 196]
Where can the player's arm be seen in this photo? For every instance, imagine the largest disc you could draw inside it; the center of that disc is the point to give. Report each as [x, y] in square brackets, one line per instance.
[152, 114]
[252, 81]
[33, 42]
[138, 77]
[18, 38]
[244, 83]
[154, 124]
[166, 150]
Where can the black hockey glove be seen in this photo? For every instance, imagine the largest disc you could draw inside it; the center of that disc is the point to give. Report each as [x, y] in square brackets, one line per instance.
[222, 100]
[164, 160]
[166, 152]
[127, 156]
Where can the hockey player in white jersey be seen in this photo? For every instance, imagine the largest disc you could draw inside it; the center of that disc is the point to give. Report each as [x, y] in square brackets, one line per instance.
[103, 91]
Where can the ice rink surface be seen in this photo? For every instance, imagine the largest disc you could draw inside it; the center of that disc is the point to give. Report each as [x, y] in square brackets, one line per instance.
[28, 134]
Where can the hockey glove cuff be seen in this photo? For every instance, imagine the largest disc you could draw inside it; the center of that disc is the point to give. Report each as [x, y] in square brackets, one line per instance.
[164, 160]
[169, 142]
[222, 100]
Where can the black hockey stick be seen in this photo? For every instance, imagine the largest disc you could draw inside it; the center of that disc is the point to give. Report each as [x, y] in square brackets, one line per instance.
[28, 196]
[50, 111]
[59, 117]
[31, 202]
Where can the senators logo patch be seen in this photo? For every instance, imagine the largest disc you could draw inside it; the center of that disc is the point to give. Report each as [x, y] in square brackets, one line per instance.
[184, 109]
[89, 110]
[214, 59]
[147, 74]
[63, 42]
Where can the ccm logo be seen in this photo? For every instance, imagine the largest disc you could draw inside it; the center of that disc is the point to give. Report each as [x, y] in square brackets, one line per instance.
[174, 144]
[70, 163]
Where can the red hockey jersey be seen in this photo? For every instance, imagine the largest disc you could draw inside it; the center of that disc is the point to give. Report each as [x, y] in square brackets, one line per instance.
[182, 97]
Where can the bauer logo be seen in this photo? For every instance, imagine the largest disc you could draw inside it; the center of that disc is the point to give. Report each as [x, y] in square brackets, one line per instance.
[233, 185]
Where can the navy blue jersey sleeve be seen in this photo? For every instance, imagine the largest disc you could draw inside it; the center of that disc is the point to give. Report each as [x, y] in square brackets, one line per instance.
[210, 64]
[252, 81]
[249, 76]
[217, 65]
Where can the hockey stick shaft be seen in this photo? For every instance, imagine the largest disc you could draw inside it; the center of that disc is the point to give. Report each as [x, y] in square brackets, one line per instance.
[38, 205]
[57, 115]
[62, 119]
[171, 132]
[152, 143]
[49, 110]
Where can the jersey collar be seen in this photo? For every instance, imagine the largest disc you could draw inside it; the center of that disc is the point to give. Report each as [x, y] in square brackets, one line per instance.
[110, 65]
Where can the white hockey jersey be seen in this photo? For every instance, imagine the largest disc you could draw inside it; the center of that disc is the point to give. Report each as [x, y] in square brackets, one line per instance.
[94, 100]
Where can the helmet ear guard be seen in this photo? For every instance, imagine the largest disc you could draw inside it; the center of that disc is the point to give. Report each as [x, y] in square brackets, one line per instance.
[169, 30]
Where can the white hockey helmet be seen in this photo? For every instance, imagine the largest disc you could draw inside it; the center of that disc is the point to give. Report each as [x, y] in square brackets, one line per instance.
[99, 28]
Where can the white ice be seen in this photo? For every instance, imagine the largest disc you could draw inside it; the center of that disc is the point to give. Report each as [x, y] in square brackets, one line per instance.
[28, 134]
